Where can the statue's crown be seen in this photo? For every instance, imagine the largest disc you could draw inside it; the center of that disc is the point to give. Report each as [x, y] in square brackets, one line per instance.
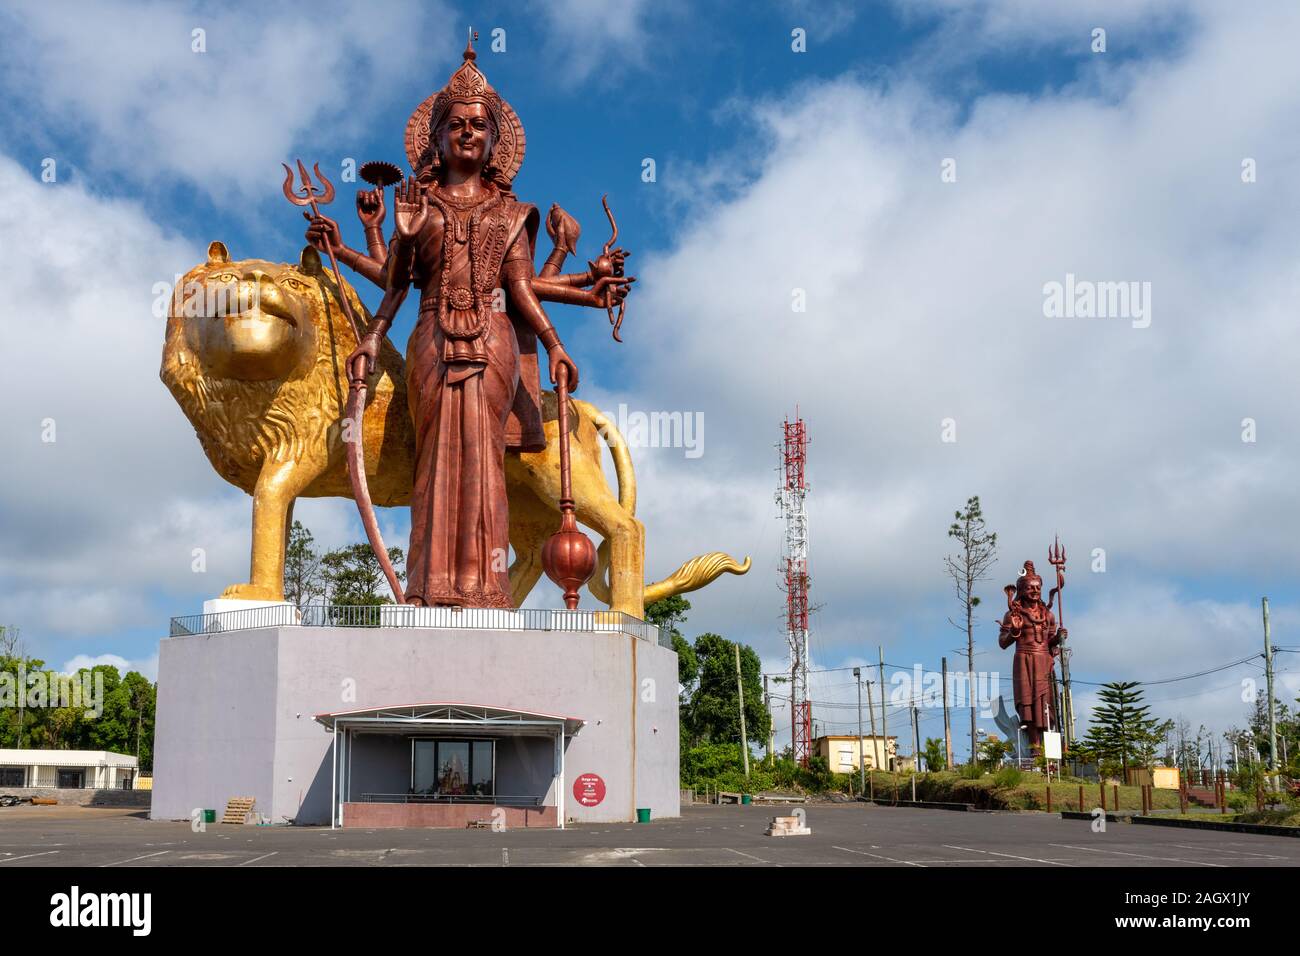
[467, 85]
[1027, 574]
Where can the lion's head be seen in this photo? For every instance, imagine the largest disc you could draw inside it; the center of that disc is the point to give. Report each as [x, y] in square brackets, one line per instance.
[254, 356]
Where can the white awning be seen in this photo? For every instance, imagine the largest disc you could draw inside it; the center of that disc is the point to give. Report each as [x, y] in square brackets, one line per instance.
[462, 718]
[66, 758]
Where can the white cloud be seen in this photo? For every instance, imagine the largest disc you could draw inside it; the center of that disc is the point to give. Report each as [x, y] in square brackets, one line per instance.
[925, 302]
[147, 668]
[127, 77]
[586, 35]
[105, 518]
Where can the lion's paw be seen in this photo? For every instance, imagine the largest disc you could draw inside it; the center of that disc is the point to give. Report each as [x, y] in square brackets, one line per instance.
[250, 592]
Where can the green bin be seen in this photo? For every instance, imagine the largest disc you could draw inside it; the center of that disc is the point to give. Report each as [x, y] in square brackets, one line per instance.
[746, 799]
[209, 816]
[642, 814]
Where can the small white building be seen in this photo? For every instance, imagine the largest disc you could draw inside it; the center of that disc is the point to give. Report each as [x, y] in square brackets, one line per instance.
[63, 769]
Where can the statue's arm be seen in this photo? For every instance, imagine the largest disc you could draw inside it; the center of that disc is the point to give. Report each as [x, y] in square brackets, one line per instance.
[517, 273]
[322, 231]
[1056, 636]
[558, 289]
[588, 288]
[370, 266]
[1006, 635]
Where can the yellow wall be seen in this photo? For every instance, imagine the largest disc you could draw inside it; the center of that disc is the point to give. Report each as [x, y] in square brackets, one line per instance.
[842, 753]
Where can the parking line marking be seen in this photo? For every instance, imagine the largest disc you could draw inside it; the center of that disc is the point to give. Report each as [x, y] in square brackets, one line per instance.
[134, 858]
[749, 855]
[878, 856]
[1142, 856]
[28, 856]
[1009, 856]
[1219, 849]
[256, 858]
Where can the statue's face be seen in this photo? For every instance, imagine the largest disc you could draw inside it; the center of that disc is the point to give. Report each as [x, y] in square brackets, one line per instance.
[1034, 589]
[465, 135]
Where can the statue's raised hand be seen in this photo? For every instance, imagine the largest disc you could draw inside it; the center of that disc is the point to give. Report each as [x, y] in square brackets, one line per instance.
[411, 209]
[370, 206]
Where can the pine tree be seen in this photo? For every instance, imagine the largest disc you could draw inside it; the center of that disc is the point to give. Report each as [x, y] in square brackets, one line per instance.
[979, 549]
[1122, 729]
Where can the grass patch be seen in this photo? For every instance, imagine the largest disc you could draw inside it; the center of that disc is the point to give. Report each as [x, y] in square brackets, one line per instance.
[1011, 789]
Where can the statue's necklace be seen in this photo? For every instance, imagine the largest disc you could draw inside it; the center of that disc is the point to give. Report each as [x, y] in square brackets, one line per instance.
[462, 313]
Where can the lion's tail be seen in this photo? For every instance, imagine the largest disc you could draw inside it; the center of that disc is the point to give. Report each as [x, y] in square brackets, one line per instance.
[695, 574]
[626, 475]
[618, 451]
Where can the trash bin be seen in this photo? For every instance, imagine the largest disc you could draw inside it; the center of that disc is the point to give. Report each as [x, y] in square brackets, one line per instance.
[642, 814]
[209, 816]
[746, 799]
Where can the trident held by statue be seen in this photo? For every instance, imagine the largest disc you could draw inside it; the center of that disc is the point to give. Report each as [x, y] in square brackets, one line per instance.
[309, 195]
[354, 412]
[1056, 557]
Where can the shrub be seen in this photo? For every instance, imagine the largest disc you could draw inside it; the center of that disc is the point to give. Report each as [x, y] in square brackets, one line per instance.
[1008, 777]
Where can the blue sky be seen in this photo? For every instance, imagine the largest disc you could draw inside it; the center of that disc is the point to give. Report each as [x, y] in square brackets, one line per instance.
[776, 170]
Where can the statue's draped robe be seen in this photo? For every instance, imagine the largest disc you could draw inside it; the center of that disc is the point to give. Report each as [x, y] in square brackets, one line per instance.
[468, 406]
[1033, 668]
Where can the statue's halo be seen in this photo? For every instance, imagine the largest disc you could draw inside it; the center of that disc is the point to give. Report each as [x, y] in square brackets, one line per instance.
[508, 154]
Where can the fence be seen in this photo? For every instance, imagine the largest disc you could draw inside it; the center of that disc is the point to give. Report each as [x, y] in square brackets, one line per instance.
[402, 615]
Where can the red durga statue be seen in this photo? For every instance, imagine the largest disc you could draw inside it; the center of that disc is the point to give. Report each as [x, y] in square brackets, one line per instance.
[466, 243]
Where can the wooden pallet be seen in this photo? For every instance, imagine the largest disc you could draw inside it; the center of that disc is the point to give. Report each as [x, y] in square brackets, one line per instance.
[238, 809]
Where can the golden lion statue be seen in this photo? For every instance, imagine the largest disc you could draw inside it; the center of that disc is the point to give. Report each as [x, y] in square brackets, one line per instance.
[254, 355]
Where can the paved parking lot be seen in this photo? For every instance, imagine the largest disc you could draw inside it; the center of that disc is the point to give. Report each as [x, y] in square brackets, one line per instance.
[843, 835]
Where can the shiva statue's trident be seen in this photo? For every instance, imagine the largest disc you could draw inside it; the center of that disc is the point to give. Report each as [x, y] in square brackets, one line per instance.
[1056, 557]
[309, 195]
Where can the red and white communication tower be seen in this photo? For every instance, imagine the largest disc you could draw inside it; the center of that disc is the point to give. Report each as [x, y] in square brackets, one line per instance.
[790, 496]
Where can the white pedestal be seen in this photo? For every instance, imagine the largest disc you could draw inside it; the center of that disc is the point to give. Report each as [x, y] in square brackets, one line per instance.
[222, 605]
[237, 707]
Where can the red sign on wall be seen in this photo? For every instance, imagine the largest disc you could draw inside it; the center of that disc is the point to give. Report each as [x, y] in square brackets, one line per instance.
[589, 789]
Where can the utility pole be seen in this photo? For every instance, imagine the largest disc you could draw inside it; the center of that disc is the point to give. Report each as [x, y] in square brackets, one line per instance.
[740, 701]
[1067, 701]
[871, 711]
[884, 724]
[862, 750]
[1268, 670]
[916, 745]
[771, 725]
[947, 730]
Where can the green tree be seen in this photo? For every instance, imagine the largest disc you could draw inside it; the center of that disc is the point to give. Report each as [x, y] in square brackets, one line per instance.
[969, 566]
[714, 710]
[935, 759]
[669, 614]
[1122, 731]
[993, 751]
[353, 576]
[304, 575]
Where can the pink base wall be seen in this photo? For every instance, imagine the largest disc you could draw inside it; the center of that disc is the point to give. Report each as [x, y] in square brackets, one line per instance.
[458, 816]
